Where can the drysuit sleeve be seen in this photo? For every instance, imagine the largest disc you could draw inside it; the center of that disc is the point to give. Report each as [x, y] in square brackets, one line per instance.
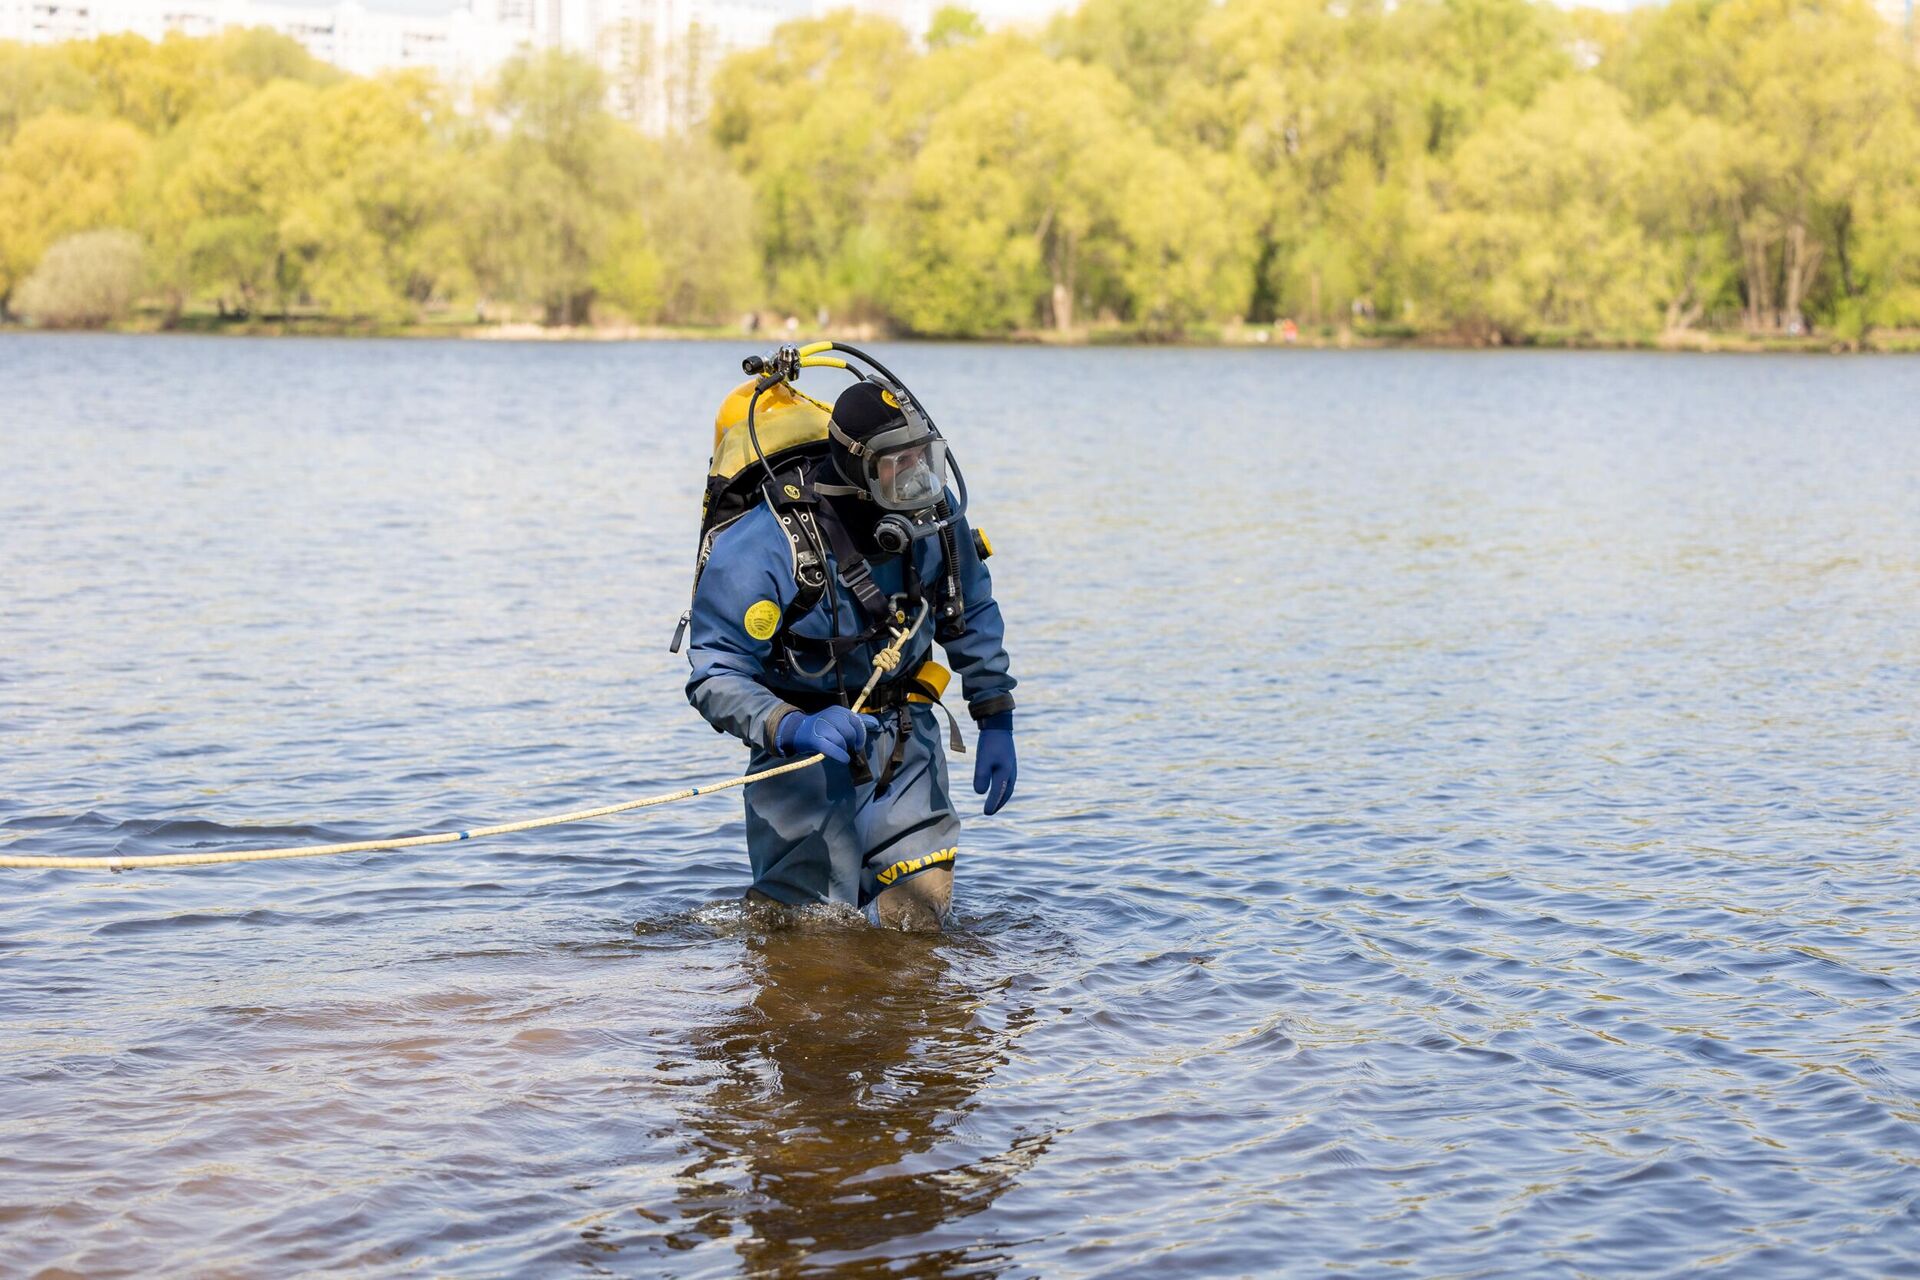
[978, 655]
[743, 592]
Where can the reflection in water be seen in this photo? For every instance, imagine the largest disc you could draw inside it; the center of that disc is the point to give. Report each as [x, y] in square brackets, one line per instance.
[835, 1123]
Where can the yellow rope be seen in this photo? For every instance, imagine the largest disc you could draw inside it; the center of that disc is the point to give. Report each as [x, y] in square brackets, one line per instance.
[884, 661]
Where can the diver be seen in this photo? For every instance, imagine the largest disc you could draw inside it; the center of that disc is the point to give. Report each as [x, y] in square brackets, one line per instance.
[850, 535]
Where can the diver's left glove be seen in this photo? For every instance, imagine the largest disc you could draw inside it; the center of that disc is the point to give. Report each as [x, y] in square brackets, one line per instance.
[834, 732]
[995, 767]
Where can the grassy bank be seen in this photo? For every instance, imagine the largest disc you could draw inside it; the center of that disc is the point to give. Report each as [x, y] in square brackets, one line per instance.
[1328, 337]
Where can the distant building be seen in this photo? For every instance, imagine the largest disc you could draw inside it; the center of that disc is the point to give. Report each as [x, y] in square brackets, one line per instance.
[658, 53]
[347, 33]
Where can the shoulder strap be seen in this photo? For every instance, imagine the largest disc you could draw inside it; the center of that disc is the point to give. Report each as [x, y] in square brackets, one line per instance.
[794, 506]
[855, 574]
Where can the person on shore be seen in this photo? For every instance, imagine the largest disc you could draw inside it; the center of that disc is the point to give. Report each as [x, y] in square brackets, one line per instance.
[779, 650]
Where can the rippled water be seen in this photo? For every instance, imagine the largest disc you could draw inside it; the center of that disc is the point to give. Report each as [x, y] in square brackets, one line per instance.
[1467, 827]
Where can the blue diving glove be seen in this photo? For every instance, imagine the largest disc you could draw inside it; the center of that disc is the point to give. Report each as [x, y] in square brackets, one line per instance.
[994, 767]
[835, 733]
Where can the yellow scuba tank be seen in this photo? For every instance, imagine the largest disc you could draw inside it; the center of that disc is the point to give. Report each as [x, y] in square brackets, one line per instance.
[786, 418]
[790, 426]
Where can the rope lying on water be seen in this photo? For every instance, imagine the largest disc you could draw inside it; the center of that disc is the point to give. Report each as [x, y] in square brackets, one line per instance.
[118, 862]
[884, 661]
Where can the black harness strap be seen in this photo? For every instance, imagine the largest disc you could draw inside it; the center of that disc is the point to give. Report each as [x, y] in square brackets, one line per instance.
[793, 503]
[903, 729]
[856, 575]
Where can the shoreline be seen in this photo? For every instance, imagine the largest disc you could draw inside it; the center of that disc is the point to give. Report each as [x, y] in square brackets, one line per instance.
[1890, 342]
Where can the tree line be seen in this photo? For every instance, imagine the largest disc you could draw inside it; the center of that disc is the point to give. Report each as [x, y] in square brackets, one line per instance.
[1494, 170]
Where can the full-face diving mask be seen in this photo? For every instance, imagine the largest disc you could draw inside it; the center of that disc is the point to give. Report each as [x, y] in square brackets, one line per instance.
[903, 469]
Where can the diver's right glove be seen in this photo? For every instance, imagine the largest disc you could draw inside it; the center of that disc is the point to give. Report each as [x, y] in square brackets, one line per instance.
[834, 732]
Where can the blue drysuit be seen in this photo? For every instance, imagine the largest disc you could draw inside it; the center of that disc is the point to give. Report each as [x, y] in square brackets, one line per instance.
[815, 835]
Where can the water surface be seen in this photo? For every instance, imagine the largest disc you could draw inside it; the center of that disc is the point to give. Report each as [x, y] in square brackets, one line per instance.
[1466, 827]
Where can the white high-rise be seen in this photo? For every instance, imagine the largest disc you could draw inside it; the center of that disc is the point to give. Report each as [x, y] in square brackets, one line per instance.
[346, 33]
[658, 52]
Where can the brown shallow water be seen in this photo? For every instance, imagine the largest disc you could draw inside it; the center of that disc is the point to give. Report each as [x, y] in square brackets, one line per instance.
[1466, 828]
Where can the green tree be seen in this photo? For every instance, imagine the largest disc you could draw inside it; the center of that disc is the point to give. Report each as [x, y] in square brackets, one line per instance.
[1339, 113]
[1538, 226]
[1185, 230]
[377, 231]
[558, 184]
[1277, 91]
[699, 213]
[1687, 196]
[155, 87]
[61, 174]
[953, 25]
[234, 203]
[1035, 197]
[629, 273]
[684, 254]
[34, 80]
[1475, 56]
[1828, 118]
[1802, 122]
[152, 87]
[807, 120]
[1148, 44]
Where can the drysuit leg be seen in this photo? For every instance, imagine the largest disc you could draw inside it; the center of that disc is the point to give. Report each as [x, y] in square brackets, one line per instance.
[816, 836]
[802, 838]
[910, 833]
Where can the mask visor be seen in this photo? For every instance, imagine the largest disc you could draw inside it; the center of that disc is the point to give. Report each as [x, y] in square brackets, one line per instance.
[910, 476]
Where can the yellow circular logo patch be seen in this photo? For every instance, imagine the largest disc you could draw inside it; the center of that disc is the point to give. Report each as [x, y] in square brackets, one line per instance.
[763, 619]
[793, 492]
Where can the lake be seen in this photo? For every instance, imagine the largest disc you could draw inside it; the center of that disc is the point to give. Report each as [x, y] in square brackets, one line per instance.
[1466, 827]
